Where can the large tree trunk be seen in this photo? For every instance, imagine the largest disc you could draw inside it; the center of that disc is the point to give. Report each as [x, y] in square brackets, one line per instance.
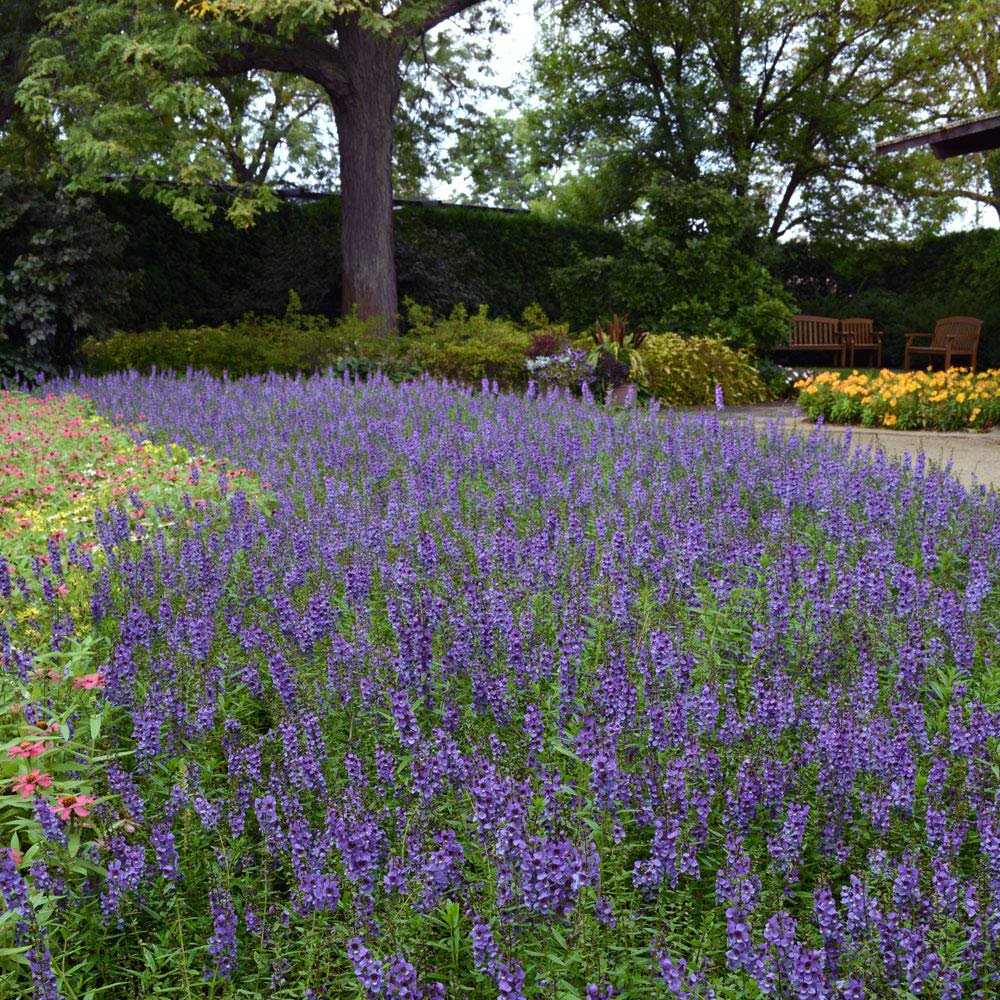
[364, 129]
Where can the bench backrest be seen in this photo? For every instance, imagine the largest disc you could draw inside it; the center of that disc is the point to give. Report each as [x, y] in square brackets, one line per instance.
[814, 331]
[861, 331]
[963, 330]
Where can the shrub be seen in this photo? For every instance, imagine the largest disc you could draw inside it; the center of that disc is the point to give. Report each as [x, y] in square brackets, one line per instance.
[61, 274]
[253, 345]
[779, 380]
[464, 346]
[472, 346]
[684, 371]
[696, 264]
[547, 344]
[941, 400]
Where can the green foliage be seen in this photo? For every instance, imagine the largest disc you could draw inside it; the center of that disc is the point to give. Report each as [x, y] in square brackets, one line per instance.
[152, 90]
[684, 371]
[469, 347]
[904, 287]
[506, 261]
[464, 346]
[695, 266]
[250, 346]
[18, 366]
[61, 271]
[776, 102]
[444, 256]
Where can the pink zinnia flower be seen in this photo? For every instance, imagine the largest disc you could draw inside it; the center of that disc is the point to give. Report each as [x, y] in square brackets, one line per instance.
[27, 784]
[89, 681]
[73, 805]
[28, 749]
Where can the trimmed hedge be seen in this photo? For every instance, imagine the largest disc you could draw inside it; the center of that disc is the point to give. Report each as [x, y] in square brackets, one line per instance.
[444, 257]
[904, 287]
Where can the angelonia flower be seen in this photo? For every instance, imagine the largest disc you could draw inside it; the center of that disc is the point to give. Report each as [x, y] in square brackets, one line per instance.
[510, 980]
[164, 846]
[126, 868]
[45, 815]
[488, 671]
[222, 944]
[485, 953]
[366, 967]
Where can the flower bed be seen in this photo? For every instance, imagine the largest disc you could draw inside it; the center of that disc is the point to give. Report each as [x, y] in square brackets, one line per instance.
[60, 462]
[941, 400]
[512, 697]
[67, 477]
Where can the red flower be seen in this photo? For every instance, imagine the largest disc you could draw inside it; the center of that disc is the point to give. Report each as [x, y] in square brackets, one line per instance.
[88, 682]
[73, 805]
[27, 784]
[28, 749]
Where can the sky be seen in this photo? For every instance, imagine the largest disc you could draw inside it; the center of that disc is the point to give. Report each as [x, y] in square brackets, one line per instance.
[511, 50]
[510, 60]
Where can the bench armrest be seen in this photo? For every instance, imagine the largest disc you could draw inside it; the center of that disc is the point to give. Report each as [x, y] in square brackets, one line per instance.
[910, 337]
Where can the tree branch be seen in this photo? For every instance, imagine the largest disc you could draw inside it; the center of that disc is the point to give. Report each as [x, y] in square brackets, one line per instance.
[448, 10]
[309, 56]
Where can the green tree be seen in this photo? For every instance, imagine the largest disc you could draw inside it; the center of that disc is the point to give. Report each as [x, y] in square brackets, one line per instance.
[132, 85]
[265, 127]
[778, 101]
[24, 146]
[693, 264]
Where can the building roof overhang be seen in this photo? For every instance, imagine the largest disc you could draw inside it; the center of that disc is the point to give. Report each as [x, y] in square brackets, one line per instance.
[973, 135]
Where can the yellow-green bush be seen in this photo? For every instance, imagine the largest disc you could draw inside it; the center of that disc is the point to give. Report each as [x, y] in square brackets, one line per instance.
[252, 345]
[462, 346]
[471, 347]
[683, 371]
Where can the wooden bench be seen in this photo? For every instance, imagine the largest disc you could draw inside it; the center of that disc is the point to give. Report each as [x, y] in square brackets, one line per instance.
[861, 335]
[815, 333]
[953, 335]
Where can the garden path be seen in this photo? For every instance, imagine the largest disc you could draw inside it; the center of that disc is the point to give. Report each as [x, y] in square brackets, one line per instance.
[974, 457]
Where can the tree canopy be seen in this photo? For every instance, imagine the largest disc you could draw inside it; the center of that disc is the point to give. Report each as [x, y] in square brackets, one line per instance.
[208, 90]
[778, 101]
